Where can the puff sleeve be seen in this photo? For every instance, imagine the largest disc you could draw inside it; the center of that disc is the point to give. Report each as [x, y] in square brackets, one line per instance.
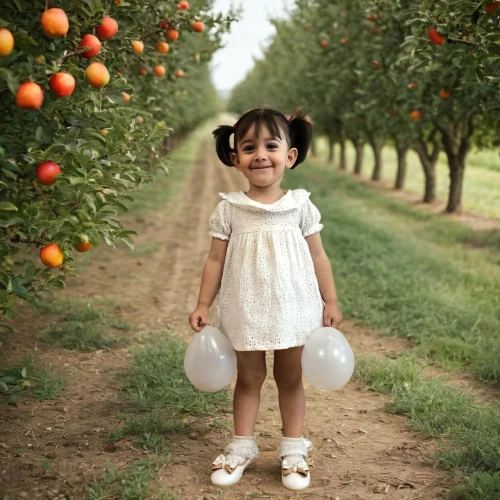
[309, 219]
[219, 222]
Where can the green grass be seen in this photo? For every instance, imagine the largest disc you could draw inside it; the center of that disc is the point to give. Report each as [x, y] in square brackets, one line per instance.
[161, 395]
[131, 483]
[481, 183]
[468, 433]
[31, 380]
[85, 328]
[409, 273]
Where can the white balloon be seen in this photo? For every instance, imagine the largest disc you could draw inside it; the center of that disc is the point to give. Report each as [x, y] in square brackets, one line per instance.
[327, 359]
[210, 360]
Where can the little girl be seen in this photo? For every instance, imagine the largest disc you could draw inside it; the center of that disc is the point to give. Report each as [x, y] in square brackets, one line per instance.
[276, 284]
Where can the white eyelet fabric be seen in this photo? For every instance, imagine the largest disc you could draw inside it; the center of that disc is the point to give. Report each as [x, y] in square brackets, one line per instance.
[269, 297]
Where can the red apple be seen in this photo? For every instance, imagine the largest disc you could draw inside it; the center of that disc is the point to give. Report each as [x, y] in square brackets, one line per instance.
[94, 45]
[52, 255]
[29, 95]
[82, 246]
[172, 34]
[491, 7]
[62, 84]
[55, 23]
[107, 28]
[46, 172]
[97, 74]
[198, 26]
[436, 37]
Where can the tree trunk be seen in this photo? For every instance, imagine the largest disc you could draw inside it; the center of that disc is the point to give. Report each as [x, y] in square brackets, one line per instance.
[331, 149]
[377, 153]
[402, 150]
[313, 148]
[428, 161]
[456, 143]
[343, 163]
[358, 164]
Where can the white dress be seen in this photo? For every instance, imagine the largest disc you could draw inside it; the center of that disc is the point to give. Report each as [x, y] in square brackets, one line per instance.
[269, 297]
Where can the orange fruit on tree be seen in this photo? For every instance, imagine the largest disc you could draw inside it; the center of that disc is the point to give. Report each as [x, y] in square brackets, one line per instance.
[324, 44]
[179, 73]
[412, 86]
[6, 42]
[415, 114]
[436, 37]
[55, 23]
[97, 74]
[142, 71]
[52, 255]
[307, 27]
[107, 28]
[46, 172]
[163, 25]
[344, 41]
[444, 94]
[198, 26]
[162, 47]
[138, 47]
[126, 97]
[183, 5]
[375, 63]
[160, 70]
[172, 34]
[29, 95]
[82, 246]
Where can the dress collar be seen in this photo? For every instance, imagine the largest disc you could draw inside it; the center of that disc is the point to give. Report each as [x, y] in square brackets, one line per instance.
[292, 199]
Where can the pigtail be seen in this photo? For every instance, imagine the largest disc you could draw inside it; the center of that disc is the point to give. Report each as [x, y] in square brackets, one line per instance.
[223, 147]
[301, 135]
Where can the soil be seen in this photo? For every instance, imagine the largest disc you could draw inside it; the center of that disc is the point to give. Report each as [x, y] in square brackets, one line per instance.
[54, 449]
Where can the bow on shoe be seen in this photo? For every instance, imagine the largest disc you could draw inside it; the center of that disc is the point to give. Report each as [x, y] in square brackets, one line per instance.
[221, 463]
[300, 468]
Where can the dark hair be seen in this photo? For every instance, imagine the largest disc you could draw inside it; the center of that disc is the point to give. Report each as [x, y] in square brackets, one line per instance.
[297, 130]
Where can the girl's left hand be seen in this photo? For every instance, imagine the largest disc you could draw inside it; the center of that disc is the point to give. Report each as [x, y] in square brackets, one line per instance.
[332, 315]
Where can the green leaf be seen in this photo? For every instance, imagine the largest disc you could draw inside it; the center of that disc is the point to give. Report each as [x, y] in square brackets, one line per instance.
[3, 387]
[5, 205]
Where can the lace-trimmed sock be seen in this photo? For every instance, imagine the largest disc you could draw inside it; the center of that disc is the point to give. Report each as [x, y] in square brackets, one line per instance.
[242, 447]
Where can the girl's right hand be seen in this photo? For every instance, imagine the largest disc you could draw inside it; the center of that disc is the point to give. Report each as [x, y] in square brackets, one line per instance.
[199, 318]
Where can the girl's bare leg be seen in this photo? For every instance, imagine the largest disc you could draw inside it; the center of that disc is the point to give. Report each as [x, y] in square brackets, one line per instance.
[288, 377]
[246, 400]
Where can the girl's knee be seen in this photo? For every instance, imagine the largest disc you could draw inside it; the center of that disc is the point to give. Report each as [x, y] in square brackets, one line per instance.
[287, 381]
[252, 378]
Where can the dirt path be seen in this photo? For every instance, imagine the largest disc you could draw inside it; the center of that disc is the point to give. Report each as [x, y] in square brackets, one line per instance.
[360, 452]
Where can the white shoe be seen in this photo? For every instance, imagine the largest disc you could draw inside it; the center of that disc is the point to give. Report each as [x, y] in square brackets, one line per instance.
[295, 476]
[228, 472]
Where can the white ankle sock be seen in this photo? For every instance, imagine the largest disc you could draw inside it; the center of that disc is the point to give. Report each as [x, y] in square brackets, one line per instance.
[241, 448]
[292, 449]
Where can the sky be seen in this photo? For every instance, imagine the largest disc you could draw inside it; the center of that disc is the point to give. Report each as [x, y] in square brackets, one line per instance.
[231, 63]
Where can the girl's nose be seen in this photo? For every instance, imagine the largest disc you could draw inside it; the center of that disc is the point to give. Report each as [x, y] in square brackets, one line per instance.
[260, 154]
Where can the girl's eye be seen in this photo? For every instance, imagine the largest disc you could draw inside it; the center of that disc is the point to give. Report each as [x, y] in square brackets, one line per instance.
[272, 146]
[248, 148]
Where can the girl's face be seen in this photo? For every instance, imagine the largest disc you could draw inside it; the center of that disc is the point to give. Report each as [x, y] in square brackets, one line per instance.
[263, 159]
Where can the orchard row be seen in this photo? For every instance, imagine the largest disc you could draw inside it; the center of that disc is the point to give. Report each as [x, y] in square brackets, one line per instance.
[420, 75]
